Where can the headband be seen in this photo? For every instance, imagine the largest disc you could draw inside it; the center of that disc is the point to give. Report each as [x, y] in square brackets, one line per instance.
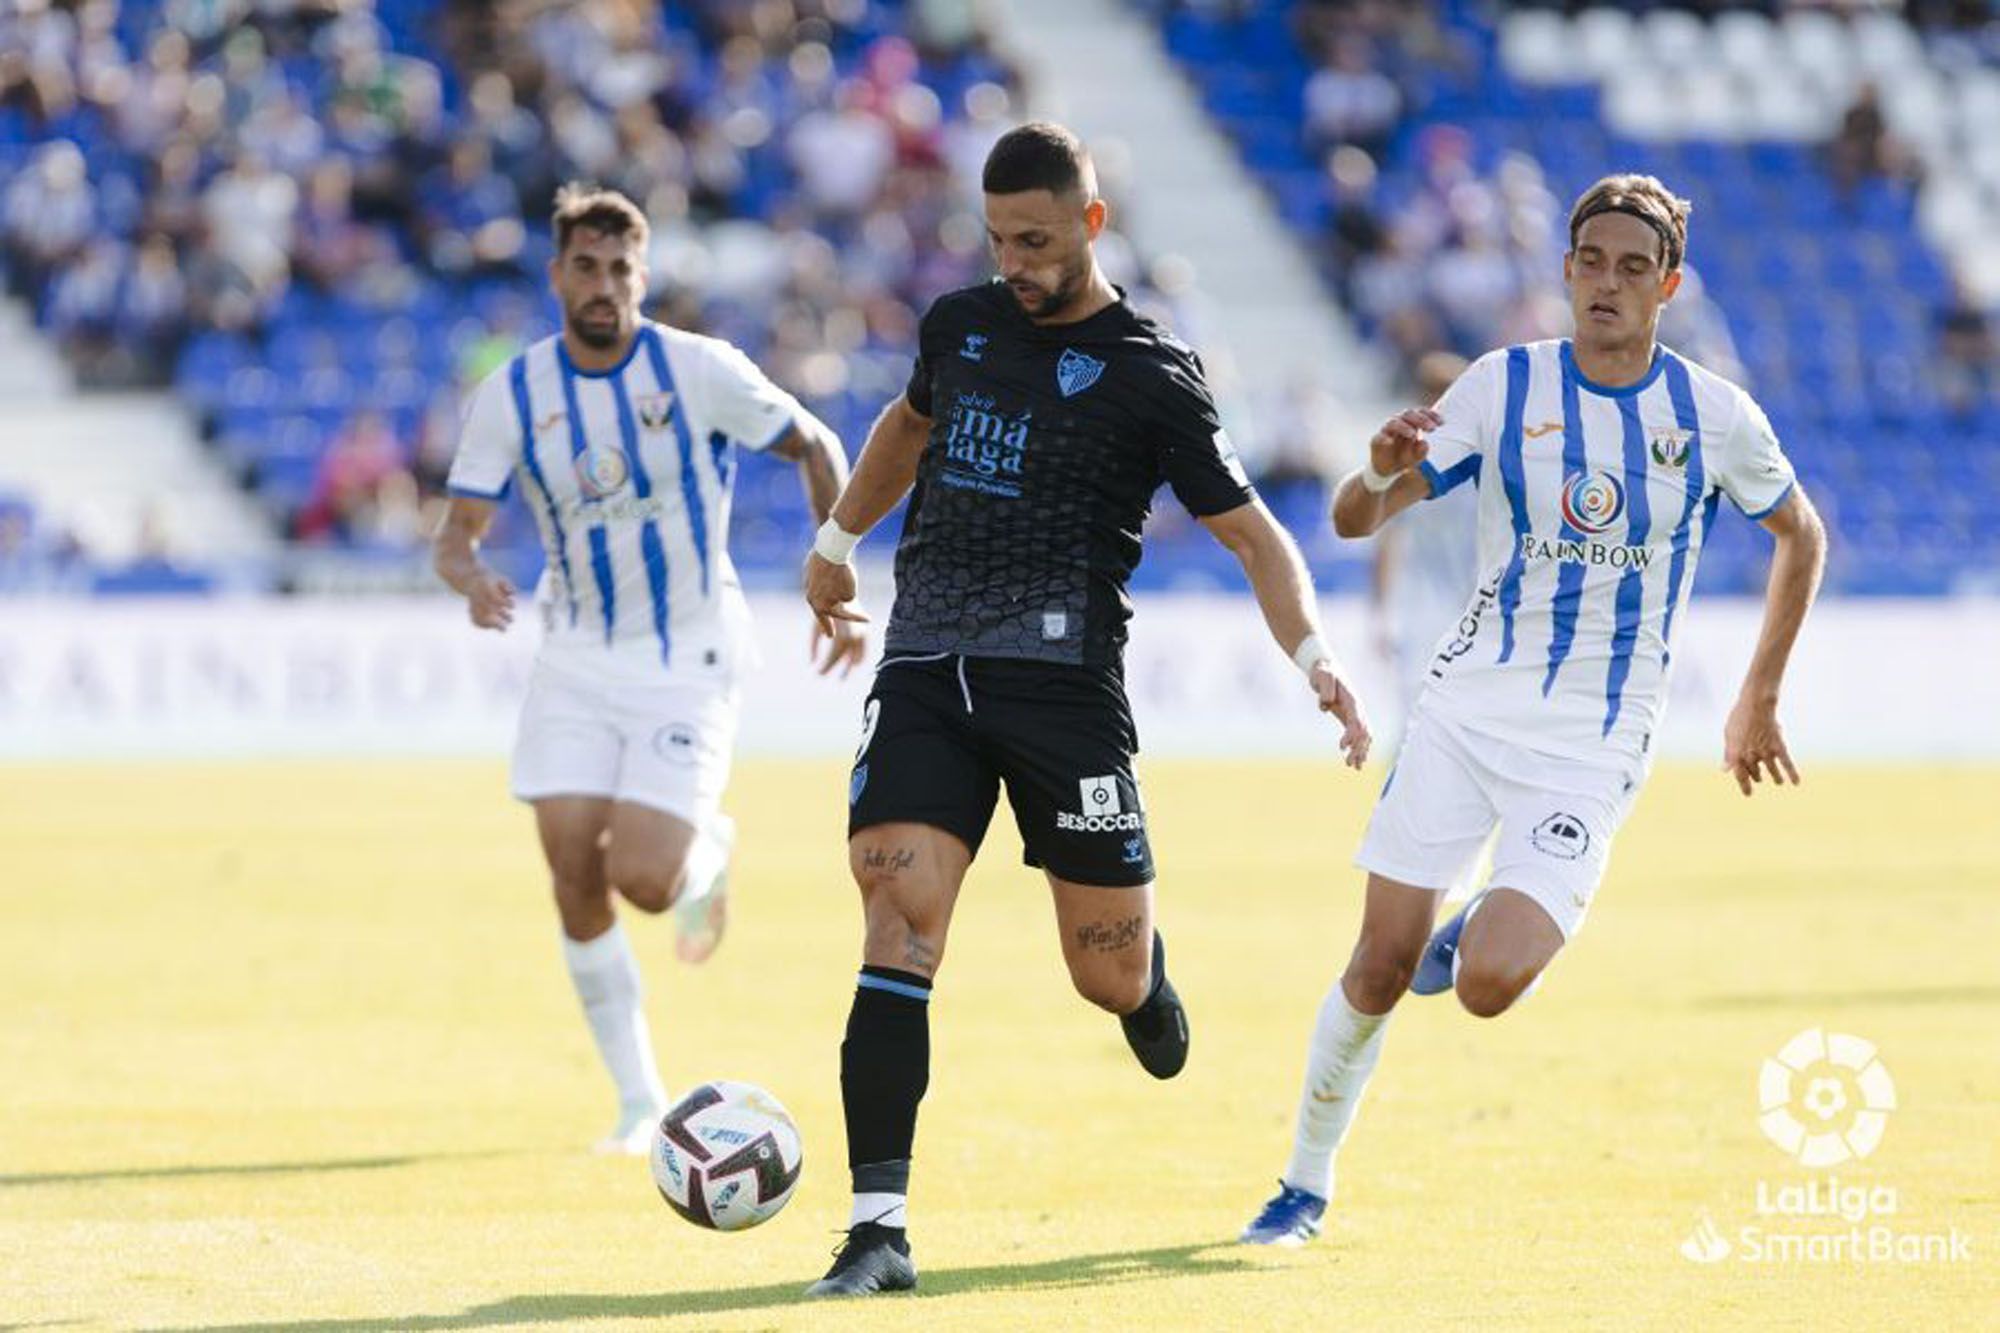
[1667, 245]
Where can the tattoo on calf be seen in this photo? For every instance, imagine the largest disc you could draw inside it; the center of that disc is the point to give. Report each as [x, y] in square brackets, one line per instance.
[1110, 936]
[917, 952]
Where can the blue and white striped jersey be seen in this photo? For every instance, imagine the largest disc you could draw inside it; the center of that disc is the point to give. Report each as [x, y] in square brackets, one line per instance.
[1593, 505]
[628, 472]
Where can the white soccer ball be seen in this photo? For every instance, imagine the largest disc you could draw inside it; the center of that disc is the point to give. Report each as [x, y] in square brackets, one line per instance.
[727, 1156]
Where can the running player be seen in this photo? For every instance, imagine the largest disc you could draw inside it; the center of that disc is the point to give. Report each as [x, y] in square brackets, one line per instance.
[1041, 416]
[1600, 461]
[622, 432]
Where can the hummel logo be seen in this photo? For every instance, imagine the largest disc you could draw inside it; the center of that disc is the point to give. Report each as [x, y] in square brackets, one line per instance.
[1536, 432]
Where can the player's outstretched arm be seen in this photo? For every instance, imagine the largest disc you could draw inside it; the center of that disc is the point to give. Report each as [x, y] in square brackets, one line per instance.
[1371, 496]
[1752, 742]
[1279, 577]
[455, 557]
[883, 474]
[822, 463]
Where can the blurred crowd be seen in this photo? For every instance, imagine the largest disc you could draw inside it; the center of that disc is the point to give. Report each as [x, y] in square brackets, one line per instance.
[1456, 259]
[249, 182]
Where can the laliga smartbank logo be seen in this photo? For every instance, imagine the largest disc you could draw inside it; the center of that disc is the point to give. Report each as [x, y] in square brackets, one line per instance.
[1824, 1100]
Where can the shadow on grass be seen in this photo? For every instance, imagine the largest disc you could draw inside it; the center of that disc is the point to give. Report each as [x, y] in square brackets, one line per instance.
[1092, 1270]
[25, 1179]
[1908, 995]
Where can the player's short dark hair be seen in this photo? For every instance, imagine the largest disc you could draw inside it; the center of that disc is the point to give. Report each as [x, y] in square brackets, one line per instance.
[1644, 198]
[1040, 155]
[580, 204]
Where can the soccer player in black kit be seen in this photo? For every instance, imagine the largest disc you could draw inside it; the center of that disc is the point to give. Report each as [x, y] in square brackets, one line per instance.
[1042, 415]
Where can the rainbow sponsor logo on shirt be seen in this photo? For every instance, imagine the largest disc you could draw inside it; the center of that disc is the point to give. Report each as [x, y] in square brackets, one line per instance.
[1592, 502]
[601, 472]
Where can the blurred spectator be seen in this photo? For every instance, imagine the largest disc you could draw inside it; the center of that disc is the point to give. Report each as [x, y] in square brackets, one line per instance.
[357, 474]
[842, 154]
[83, 306]
[469, 215]
[50, 212]
[330, 246]
[247, 213]
[34, 559]
[1693, 324]
[1968, 359]
[1350, 100]
[1863, 149]
[1300, 437]
[153, 309]
[1355, 229]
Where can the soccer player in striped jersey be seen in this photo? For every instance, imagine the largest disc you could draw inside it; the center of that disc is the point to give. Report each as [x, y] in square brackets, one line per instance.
[622, 434]
[1600, 461]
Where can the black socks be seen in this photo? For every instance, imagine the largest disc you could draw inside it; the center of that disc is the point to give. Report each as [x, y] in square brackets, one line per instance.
[885, 1065]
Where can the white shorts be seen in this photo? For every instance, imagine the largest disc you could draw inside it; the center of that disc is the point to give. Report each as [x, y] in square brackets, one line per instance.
[1452, 787]
[666, 746]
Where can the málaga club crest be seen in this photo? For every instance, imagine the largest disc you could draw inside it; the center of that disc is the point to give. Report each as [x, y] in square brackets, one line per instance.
[1076, 372]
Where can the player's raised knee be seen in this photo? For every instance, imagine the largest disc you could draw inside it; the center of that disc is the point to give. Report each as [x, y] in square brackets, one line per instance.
[1487, 990]
[649, 886]
[1114, 990]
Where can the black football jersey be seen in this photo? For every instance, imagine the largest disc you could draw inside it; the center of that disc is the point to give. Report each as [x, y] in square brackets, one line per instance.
[1047, 443]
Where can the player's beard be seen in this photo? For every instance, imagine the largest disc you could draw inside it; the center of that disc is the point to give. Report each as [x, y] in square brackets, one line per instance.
[601, 336]
[1053, 303]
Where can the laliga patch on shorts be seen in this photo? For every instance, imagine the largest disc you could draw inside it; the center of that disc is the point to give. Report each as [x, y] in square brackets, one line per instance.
[1103, 810]
[1100, 796]
[678, 743]
[1561, 836]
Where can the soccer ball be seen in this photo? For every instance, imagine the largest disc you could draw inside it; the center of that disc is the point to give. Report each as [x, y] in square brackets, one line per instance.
[727, 1156]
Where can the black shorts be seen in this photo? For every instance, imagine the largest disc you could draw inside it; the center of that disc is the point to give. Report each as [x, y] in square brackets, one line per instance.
[939, 735]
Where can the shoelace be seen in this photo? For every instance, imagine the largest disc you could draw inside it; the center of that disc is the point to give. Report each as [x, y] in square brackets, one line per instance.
[1289, 1198]
[846, 1234]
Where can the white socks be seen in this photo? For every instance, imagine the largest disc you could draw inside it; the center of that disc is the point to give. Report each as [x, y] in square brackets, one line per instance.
[606, 976]
[884, 1209]
[1345, 1046]
[707, 859]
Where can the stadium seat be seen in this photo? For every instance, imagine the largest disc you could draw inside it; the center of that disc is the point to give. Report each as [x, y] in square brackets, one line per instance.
[1537, 48]
[1746, 44]
[1676, 40]
[1605, 42]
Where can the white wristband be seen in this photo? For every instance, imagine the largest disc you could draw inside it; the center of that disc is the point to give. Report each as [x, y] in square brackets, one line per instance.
[1309, 654]
[1377, 482]
[833, 543]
